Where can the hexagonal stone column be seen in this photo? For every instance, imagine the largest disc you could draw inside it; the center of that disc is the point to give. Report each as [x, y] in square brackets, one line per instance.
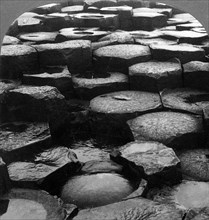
[120, 57]
[183, 52]
[186, 99]
[148, 21]
[88, 87]
[196, 75]
[155, 76]
[17, 59]
[104, 21]
[76, 54]
[170, 128]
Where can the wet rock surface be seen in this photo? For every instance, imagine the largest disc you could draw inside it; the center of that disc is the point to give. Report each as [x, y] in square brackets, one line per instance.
[72, 74]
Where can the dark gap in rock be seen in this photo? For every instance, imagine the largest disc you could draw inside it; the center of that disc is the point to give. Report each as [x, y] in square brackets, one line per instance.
[4, 203]
[197, 98]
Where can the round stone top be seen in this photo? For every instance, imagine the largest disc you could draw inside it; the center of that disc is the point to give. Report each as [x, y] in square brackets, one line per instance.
[125, 102]
[155, 67]
[195, 66]
[124, 51]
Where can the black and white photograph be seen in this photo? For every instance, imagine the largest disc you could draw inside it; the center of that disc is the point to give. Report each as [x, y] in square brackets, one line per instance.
[104, 110]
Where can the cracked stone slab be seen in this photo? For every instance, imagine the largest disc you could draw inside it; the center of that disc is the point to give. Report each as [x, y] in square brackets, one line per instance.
[126, 103]
[17, 59]
[120, 57]
[92, 34]
[195, 164]
[34, 103]
[187, 195]
[186, 36]
[94, 190]
[148, 21]
[185, 99]
[90, 87]
[170, 128]
[184, 52]
[48, 9]
[155, 76]
[10, 40]
[76, 54]
[40, 165]
[37, 205]
[57, 76]
[21, 138]
[131, 209]
[104, 21]
[196, 75]
[154, 157]
[39, 37]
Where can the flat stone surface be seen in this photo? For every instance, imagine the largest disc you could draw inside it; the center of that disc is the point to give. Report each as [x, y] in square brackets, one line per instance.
[94, 190]
[76, 54]
[92, 34]
[88, 88]
[95, 20]
[155, 76]
[131, 209]
[195, 164]
[185, 99]
[32, 204]
[17, 59]
[185, 16]
[8, 40]
[176, 21]
[100, 4]
[73, 9]
[34, 103]
[170, 128]
[57, 76]
[189, 26]
[125, 102]
[48, 8]
[186, 36]
[39, 37]
[184, 53]
[148, 42]
[121, 56]
[187, 195]
[140, 34]
[154, 157]
[165, 11]
[148, 21]
[196, 75]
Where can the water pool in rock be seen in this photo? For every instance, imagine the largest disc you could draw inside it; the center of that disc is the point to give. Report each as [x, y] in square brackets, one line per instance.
[96, 190]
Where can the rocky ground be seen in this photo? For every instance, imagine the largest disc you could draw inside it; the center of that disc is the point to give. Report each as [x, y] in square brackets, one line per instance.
[104, 113]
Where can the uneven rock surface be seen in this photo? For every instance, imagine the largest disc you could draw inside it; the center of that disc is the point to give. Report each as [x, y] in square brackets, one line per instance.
[185, 99]
[154, 76]
[169, 128]
[8, 40]
[37, 205]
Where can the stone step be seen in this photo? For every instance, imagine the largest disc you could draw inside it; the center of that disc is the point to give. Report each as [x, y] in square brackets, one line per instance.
[139, 34]
[73, 9]
[189, 26]
[174, 129]
[92, 34]
[100, 3]
[17, 59]
[76, 54]
[9, 40]
[154, 76]
[148, 42]
[165, 11]
[55, 76]
[120, 57]
[38, 37]
[88, 87]
[37, 205]
[131, 3]
[185, 99]
[196, 75]
[184, 52]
